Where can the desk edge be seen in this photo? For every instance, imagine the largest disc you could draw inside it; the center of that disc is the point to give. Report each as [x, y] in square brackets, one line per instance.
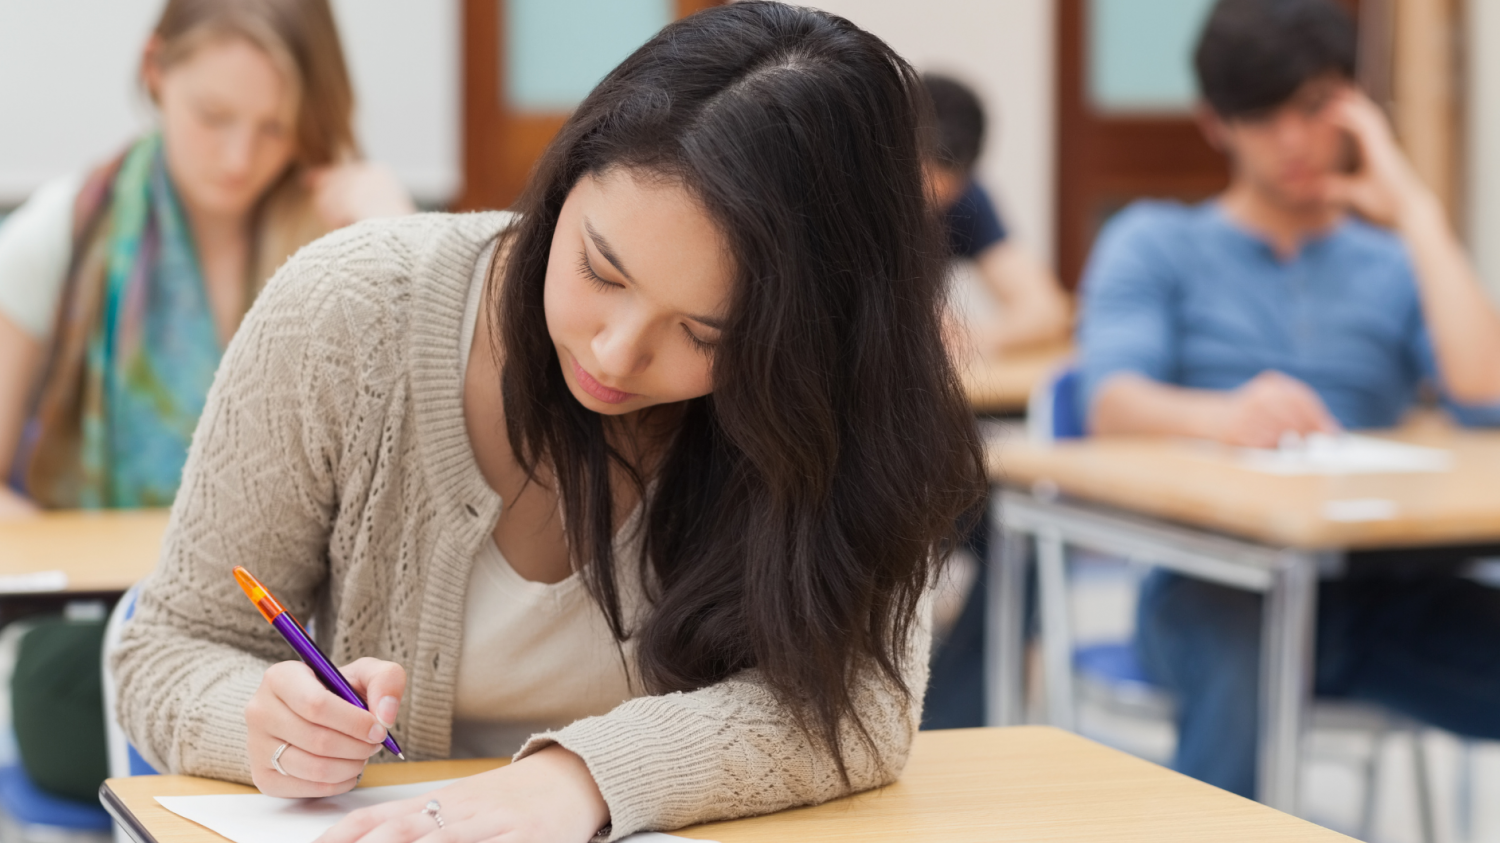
[123, 816]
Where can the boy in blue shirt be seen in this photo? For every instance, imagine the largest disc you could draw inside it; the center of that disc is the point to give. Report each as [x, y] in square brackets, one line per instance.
[1323, 290]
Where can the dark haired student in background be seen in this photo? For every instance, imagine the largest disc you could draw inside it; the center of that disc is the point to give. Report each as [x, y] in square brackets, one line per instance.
[647, 484]
[1321, 291]
[1032, 307]
[1032, 310]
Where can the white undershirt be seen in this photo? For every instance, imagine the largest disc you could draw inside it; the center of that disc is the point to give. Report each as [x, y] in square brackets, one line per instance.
[36, 243]
[535, 656]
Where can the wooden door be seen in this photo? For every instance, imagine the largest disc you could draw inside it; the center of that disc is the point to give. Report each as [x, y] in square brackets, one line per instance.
[503, 138]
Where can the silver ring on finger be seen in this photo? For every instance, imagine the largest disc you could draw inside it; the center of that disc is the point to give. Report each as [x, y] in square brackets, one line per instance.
[431, 809]
[276, 758]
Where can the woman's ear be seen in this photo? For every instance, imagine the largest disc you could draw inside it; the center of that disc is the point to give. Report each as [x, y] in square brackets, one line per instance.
[151, 66]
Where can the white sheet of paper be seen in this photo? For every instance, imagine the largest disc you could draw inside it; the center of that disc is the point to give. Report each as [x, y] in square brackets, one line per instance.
[1346, 454]
[1356, 510]
[257, 818]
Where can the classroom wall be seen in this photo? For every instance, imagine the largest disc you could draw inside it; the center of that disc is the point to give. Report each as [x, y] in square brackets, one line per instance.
[69, 96]
[1004, 49]
[1481, 182]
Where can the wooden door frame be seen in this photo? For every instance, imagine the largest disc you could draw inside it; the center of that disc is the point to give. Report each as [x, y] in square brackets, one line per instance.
[1162, 154]
[499, 145]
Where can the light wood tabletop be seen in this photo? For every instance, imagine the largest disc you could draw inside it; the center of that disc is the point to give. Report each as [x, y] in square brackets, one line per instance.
[1004, 384]
[80, 551]
[1205, 485]
[1027, 783]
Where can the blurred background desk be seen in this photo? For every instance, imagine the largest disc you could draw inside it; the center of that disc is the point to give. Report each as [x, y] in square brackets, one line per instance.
[60, 556]
[1193, 508]
[1026, 783]
[1002, 385]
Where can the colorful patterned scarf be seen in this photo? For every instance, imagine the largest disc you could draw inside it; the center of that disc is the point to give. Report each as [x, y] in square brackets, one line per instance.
[134, 349]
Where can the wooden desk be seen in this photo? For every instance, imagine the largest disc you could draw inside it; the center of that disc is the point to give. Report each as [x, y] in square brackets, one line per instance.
[1004, 384]
[1028, 783]
[1201, 484]
[96, 551]
[1192, 508]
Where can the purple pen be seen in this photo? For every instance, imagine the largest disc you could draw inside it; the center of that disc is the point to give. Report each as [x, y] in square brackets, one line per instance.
[306, 649]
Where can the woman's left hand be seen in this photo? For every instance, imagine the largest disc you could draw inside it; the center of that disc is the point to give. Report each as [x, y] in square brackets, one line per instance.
[548, 797]
[357, 190]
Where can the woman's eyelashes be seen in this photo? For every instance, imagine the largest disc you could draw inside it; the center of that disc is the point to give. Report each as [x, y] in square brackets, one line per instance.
[586, 269]
[702, 345]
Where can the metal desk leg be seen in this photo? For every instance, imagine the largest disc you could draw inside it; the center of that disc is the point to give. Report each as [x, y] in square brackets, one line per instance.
[1005, 627]
[1057, 628]
[1286, 675]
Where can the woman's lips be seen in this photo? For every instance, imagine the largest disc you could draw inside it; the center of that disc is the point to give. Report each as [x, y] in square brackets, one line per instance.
[598, 390]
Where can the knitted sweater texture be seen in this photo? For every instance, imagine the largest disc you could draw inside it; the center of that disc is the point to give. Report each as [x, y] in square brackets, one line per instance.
[333, 461]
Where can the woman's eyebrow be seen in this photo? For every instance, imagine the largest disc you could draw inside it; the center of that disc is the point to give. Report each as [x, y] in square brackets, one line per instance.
[604, 249]
[614, 260]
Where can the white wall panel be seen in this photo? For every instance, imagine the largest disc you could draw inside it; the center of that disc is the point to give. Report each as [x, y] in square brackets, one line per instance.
[69, 98]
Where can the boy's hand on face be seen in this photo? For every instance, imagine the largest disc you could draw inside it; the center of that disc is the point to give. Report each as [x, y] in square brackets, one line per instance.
[1385, 189]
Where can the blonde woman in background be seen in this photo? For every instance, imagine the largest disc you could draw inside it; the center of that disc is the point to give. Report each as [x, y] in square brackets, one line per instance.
[120, 287]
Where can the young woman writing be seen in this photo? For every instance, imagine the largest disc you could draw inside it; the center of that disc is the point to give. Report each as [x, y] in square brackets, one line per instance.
[120, 287]
[648, 481]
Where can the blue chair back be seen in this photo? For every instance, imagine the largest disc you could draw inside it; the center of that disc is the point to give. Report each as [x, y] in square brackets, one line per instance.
[1111, 663]
[1055, 411]
[1067, 410]
[138, 765]
[22, 456]
[30, 805]
[120, 749]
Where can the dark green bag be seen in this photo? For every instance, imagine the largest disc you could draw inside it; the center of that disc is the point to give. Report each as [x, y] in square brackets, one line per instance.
[57, 701]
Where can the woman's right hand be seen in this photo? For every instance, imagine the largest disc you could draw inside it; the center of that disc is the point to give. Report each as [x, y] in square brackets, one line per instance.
[13, 505]
[347, 193]
[328, 740]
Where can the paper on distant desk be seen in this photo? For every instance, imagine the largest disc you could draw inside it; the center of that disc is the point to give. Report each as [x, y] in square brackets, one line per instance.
[1346, 454]
[33, 583]
[256, 818]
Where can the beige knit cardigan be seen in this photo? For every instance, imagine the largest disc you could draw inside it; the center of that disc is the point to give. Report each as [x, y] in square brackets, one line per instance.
[332, 460]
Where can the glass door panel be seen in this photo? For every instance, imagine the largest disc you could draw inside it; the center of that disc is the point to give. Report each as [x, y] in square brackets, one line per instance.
[557, 50]
[1140, 55]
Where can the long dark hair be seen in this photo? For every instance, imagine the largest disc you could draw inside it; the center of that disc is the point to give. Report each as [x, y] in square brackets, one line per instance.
[800, 506]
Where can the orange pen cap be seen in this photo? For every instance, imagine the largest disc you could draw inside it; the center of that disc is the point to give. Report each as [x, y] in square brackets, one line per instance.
[269, 608]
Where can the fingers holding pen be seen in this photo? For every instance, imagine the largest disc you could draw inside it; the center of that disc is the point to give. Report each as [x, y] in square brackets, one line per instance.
[300, 742]
[308, 767]
[309, 730]
[381, 684]
[295, 685]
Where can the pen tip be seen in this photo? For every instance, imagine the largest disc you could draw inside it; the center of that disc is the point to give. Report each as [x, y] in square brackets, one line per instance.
[402, 757]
